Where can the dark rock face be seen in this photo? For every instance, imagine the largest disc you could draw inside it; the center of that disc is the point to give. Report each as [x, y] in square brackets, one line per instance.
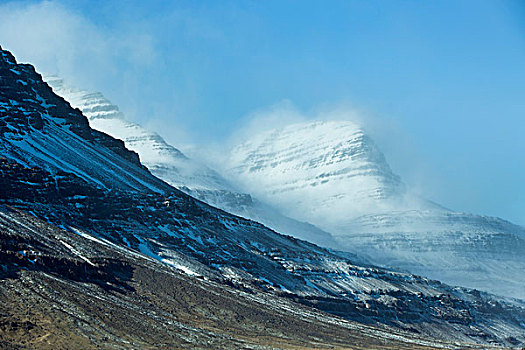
[37, 185]
[116, 146]
[27, 102]
[170, 228]
[25, 99]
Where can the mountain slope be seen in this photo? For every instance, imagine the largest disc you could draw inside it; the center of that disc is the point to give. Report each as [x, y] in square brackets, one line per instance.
[332, 174]
[66, 220]
[171, 165]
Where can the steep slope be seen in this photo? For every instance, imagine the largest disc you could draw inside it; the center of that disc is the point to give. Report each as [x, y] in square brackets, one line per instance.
[333, 175]
[65, 221]
[171, 165]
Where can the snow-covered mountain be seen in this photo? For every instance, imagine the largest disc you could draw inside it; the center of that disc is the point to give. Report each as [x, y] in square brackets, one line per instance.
[158, 156]
[333, 175]
[84, 225]
[171, 165]
[93, 245]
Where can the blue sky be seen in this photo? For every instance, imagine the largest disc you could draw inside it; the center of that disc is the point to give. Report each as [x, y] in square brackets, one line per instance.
[442, 82]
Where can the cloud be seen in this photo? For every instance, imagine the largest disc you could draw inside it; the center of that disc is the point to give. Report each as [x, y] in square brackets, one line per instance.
[59, 40]
[285, 112]
[275, 116]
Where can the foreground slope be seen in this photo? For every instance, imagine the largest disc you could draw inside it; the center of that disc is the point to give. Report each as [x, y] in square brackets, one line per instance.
[66, 175]
[168, 163]
[65, 291]
[333, 175]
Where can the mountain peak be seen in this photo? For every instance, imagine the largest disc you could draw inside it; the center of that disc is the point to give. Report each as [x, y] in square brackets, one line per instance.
[188, 175]
[302, 162]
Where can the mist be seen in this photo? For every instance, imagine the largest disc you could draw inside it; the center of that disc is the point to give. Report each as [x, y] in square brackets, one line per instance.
[207, 77]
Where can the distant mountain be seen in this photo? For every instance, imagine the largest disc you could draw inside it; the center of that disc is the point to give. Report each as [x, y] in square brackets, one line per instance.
[333, 175]
[95, 249]
[171, 165]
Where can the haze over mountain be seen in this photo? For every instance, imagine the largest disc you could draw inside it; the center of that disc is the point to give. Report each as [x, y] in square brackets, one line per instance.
[448, 75]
